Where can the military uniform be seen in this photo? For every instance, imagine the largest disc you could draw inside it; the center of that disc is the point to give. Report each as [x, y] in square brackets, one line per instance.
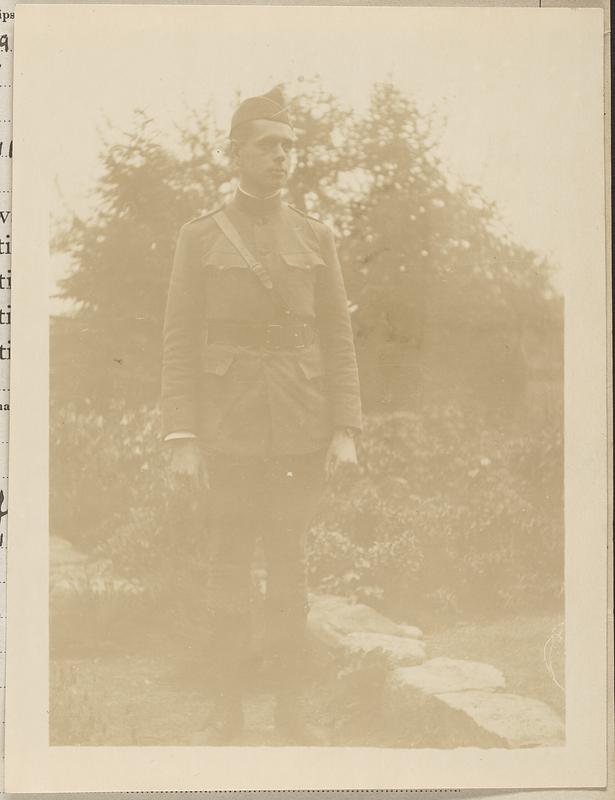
[262, 378]
[259, 400]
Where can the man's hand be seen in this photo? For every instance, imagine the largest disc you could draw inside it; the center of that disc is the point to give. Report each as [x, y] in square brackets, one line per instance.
[342, 450]
[187, 467]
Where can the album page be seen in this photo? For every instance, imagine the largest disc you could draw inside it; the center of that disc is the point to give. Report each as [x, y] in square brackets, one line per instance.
[308, 445]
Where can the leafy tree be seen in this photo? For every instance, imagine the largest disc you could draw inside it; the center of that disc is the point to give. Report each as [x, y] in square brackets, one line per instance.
[446, 308]
[444, 298]
[106, 353]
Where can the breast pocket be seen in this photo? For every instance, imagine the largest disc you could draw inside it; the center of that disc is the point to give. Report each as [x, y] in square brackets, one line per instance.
[222, 261]
[227, 282]
[303, 263]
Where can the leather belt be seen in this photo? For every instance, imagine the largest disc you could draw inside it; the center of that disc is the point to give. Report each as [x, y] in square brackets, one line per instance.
[273, 336]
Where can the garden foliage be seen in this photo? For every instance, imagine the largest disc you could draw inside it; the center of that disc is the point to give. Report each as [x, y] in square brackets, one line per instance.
[458, 498]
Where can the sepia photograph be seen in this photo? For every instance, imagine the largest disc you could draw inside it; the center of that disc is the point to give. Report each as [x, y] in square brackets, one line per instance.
[307, 287]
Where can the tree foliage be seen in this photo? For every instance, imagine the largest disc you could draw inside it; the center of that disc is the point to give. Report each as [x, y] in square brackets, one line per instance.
[446, 308]
[441, 297]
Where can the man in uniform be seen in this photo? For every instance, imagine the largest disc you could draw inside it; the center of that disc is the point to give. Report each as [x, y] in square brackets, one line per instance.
[260, 400]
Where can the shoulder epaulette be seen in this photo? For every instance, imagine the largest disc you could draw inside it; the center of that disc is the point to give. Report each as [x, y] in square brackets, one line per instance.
[205, 216]
[305, 214]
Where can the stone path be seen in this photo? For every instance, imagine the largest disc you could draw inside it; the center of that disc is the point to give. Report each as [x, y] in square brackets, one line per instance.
[439, 702]
[467, 697]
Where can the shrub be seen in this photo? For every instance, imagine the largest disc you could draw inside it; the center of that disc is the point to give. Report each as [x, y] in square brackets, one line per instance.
[443, 514]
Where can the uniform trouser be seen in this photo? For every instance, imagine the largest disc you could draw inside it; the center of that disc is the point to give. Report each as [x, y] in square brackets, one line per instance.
[273, 499]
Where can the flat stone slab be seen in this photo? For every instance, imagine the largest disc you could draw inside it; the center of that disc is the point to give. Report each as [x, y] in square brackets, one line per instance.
[333, 617]
[520, 721]
[399, 651]
[440, 675]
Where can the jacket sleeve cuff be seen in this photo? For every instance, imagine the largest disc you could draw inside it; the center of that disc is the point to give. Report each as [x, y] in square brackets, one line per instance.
[178, 416]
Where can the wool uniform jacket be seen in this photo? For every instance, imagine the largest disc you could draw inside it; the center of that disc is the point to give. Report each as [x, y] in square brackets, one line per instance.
[254, 400]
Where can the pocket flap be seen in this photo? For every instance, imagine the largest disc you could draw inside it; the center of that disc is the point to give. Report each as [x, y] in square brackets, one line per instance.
[217, 361]
[222, 259]
[303, 260]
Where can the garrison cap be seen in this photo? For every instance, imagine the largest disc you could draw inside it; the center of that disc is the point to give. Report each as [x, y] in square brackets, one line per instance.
[266, 106]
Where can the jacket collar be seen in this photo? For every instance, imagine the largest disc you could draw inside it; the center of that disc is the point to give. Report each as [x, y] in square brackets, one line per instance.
[257, 206]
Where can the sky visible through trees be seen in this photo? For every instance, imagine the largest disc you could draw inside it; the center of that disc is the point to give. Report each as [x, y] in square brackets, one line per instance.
[439, 292]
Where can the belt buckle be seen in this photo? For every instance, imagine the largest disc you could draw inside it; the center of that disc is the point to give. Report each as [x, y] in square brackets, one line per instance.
[268, 341]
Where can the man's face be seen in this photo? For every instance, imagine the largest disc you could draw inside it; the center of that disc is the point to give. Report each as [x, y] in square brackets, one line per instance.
[263, 156]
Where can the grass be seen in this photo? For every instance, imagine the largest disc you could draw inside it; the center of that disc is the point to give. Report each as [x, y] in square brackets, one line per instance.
[154, 691]
[516, 646]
